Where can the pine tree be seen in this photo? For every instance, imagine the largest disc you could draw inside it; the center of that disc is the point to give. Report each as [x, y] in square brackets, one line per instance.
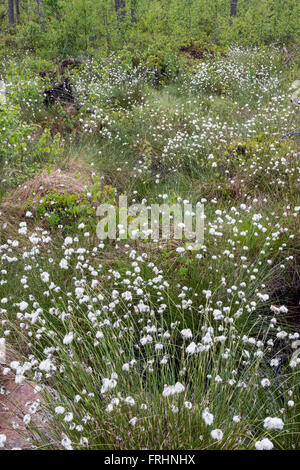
[11, 13]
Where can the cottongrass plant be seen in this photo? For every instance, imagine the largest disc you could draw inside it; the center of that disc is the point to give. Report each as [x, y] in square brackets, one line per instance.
[122, 363]
[150, 345]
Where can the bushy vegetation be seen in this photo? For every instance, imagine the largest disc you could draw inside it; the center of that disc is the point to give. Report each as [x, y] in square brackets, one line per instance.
[143, 344]
[146, 29]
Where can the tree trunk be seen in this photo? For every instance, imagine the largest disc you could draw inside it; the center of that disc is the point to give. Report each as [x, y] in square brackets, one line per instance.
[215, 40]
[132, 9]
[233, 9]
[120, 9]
[11, 14]
[38, 11]
[17, 9]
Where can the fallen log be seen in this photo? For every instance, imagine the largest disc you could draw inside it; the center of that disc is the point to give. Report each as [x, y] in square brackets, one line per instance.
[59, 92]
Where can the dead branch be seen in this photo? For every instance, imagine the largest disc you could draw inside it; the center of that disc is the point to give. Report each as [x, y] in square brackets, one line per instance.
[287, 56]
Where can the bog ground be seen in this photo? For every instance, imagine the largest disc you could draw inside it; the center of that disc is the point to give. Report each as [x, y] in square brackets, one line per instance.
[147, 344]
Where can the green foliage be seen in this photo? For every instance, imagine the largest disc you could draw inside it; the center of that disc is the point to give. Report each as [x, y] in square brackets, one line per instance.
[67, 210]
[30, 35]
[82, 27]
[16, 137]
[211, 130]
[24, 90]
[160, 127]
[71, 33]
[265, 21]
[23, 147]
